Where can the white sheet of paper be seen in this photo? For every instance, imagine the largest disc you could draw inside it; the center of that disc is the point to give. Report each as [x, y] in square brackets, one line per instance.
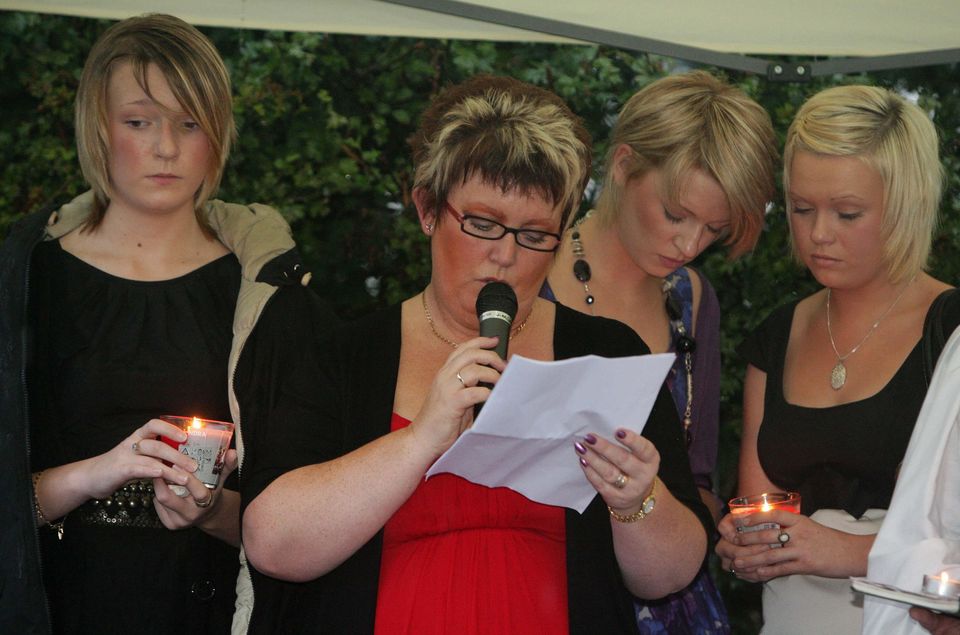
[523, 438]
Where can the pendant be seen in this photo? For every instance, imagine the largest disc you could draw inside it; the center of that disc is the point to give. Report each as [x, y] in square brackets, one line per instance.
[838, 376]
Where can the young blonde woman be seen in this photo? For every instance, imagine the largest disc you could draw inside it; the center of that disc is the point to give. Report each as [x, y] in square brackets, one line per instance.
[835, 380]
[132, 301]
[691, 163]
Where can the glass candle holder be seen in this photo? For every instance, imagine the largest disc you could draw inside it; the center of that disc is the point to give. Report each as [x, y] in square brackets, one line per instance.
[207, 444]
[743, 506]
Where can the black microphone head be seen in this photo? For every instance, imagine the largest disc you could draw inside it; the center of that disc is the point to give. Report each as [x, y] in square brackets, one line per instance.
[497, 296]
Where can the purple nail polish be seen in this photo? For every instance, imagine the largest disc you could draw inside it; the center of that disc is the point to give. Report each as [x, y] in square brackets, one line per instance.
[621, 434]
[580, 448]
[583, 462]
[590, 439]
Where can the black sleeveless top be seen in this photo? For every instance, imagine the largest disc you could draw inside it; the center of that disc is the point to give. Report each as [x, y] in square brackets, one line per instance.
[839, 457]
[109, 354]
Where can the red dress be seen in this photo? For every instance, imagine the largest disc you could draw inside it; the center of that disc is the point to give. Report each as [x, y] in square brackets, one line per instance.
[464, 558]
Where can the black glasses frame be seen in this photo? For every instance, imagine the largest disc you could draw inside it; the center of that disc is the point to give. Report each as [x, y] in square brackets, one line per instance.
[462, 218]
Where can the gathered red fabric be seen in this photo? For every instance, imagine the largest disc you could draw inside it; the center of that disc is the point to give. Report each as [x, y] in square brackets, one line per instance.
[464, 558]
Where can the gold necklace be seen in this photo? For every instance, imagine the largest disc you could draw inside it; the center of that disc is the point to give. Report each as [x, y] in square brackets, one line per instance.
[838, 376]
[433, 327]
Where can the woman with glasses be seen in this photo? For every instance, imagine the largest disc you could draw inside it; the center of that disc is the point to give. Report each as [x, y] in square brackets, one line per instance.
[691, 162]
[339, 497]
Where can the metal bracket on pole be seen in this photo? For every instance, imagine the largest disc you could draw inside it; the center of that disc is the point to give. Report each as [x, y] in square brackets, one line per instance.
[789, 72]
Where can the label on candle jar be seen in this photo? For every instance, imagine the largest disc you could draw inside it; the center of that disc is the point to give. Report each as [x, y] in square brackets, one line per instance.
[207, 444]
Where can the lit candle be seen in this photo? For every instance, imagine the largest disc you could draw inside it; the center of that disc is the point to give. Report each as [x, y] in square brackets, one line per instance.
[942, 585]
[744, 506]
[207, 443]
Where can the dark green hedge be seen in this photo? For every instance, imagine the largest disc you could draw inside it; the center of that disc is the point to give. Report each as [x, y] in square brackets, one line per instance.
[323, 125]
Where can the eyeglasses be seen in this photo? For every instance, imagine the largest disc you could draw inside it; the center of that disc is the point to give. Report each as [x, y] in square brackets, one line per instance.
[480, 227]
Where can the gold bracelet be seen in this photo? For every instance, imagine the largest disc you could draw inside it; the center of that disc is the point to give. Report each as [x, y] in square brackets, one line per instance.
[41, 519]
[646, 507]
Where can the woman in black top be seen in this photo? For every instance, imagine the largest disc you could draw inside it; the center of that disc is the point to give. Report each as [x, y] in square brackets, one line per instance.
[130, 294]
[835, 381]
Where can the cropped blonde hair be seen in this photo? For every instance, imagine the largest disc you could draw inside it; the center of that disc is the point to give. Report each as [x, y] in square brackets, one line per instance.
[196, 75]
[896, 138]
[694, 121]
[509, 133]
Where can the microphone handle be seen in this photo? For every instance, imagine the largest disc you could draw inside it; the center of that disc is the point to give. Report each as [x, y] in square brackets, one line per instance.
[490, 327]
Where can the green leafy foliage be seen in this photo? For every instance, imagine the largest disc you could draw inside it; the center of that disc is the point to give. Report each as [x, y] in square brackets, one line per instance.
[324, 122]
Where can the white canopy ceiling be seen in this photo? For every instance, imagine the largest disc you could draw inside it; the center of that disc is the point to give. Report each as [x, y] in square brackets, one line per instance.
[875, 33]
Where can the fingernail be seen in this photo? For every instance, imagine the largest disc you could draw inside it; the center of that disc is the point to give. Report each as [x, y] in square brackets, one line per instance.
[583, 462]
[580, 448]
[621, 434]
[195, 465]
[182, 437]
[183, 479]
[590, 439]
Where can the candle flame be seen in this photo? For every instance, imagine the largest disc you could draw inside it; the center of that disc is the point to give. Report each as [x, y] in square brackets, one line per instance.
[944, 578]
[196, 423]
[766, 507]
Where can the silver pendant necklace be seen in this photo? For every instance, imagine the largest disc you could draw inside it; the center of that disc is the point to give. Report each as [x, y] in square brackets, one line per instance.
[838, 376]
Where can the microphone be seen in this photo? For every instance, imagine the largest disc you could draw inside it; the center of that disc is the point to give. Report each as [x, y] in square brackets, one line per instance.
[496, 308]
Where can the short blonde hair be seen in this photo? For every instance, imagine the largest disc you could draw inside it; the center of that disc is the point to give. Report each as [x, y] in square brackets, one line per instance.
[897, 139]
[196, 75]
[694, 121]
[509, 133]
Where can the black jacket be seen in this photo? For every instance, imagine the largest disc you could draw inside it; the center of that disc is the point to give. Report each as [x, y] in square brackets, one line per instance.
[23, 605]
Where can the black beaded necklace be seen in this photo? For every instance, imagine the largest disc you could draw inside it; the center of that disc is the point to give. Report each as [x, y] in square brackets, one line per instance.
[683, 343]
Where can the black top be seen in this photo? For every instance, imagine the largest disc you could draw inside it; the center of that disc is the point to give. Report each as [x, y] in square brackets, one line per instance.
[343, 399]
[110, 354]
[839, 457]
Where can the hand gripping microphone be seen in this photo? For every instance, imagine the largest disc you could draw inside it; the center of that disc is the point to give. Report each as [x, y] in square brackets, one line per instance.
[496, 308]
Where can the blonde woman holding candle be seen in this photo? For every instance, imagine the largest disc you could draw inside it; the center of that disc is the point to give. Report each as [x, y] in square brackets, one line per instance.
[835, 380]
[117, 308]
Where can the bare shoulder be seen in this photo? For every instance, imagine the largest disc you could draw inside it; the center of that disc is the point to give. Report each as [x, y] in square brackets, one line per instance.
[930, 288]
[808, 310]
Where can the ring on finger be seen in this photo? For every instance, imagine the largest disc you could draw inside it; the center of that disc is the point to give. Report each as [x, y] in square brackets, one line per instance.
[135, 447]
[460, 377]
[621, 481]
[783, 537]
[205, 502]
